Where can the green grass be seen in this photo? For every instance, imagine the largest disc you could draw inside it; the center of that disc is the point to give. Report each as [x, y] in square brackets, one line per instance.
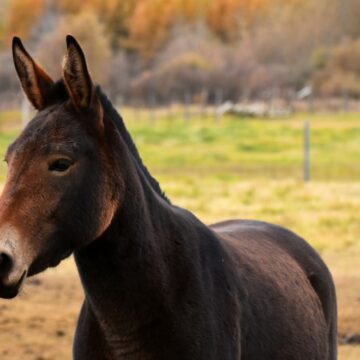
[251, 148]
[241, 148]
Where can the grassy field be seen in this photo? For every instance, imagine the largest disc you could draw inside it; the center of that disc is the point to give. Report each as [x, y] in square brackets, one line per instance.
[234, 169]
[252, 148]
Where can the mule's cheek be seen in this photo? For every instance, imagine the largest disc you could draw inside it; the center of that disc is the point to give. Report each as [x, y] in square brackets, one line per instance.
[107, 203]
[49, 249]
[106, 216]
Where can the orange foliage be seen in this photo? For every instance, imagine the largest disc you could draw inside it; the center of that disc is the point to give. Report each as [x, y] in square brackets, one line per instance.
[95, 44]
[115, 14]
[149, 24]
[152, 19]
[144, 24]
[103, 8]
[21, 15]
[228, 17]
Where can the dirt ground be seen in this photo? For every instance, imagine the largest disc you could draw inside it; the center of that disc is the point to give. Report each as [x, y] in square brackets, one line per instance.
[40, 323]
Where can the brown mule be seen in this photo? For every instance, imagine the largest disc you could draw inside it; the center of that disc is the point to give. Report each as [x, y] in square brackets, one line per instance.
[158, 283]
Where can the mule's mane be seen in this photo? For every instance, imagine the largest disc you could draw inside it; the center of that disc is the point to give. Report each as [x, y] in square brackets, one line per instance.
[60, 94]
[118, 120]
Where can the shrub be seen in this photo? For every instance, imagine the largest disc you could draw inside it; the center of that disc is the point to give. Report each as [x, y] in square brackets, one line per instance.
[339, 72]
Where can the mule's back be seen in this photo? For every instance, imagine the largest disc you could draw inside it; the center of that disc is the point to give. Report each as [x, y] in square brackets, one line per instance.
[281, 277]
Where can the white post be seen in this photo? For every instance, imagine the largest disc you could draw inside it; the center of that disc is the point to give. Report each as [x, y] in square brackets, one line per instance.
[307, 148]
[25, 111]
[218, 102]
[187, 102]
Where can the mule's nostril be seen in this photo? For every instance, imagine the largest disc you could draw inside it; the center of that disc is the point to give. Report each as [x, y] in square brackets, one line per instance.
[5, 264]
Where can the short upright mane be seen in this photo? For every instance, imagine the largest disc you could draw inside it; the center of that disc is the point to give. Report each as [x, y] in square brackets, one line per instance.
[115, 116]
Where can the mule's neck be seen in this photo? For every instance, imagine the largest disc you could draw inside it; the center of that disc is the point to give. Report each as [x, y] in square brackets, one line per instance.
[152, 277]
[125, 272]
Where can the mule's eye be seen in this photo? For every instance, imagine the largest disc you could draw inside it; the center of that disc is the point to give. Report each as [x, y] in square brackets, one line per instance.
[60, 165]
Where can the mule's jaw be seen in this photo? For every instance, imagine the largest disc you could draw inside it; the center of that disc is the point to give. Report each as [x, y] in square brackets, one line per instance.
[11, 291]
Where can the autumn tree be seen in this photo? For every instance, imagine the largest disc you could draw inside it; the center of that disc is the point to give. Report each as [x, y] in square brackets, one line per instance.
[348, 15]
[152, 21]
[150, 24]
[2, 23]
[21, 16]
[89, 31]
[229, 18]
[337, 70]
[114, 14]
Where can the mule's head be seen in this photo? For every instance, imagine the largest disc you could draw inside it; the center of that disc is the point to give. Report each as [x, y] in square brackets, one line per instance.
[59, 171]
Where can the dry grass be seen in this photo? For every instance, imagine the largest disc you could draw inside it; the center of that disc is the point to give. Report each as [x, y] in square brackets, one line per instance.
[348, 352]
[41, 322]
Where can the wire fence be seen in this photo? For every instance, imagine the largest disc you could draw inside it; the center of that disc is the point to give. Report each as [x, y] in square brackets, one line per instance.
[309, 165]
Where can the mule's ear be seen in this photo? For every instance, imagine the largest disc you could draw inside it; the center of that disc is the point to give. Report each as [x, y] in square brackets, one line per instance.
[35, 82]
[76, 75]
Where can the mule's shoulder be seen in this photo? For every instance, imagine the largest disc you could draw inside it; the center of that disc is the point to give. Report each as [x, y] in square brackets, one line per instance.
[261, 231]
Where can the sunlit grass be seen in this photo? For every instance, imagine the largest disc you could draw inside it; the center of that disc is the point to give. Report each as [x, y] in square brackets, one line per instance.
[251, 148]
[245, 148]
[349, 353]
[324, 213]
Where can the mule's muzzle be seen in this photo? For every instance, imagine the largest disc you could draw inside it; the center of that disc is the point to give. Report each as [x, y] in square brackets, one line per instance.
[9, 291]
[13, 262]
[6, 263]
[11, 278]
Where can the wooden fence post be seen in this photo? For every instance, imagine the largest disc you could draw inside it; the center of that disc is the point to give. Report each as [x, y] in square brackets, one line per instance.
[169, 105]
[345, 100]
[307, 152]
[218, 101]
[152, 107]
[203, 103]
[187, 102]
[136, 109]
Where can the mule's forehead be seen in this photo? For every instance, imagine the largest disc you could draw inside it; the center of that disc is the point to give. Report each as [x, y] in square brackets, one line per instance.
[53, 130]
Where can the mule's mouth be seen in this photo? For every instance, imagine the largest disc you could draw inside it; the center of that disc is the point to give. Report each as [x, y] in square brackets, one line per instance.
[41, 264]
[11, 291]
[60, 258]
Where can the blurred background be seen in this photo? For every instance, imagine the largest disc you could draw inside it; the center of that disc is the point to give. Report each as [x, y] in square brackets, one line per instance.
[240, 108]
